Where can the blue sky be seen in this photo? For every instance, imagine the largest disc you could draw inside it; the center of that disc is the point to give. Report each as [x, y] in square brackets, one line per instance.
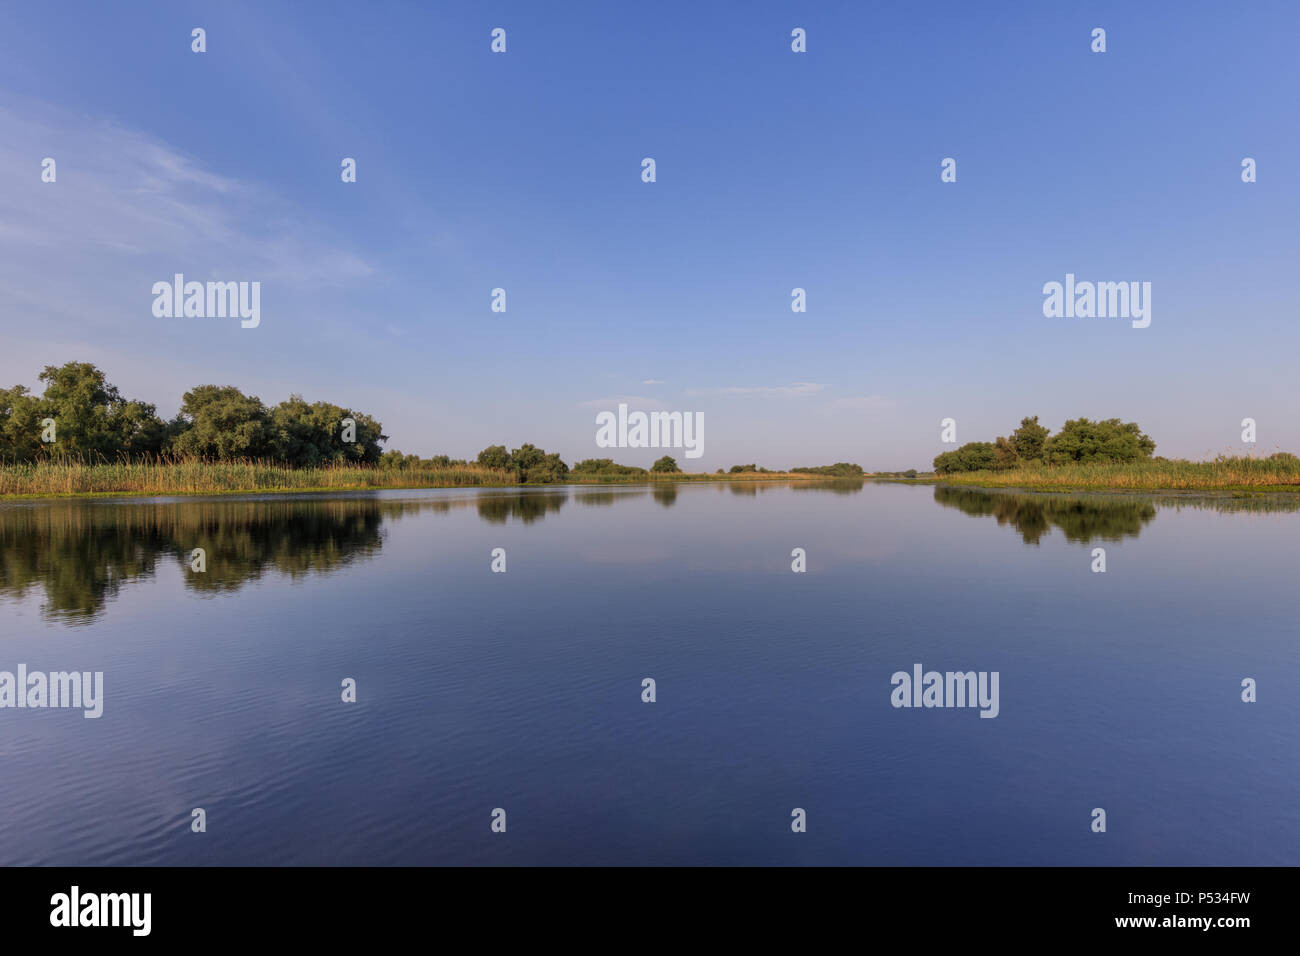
[775, 170]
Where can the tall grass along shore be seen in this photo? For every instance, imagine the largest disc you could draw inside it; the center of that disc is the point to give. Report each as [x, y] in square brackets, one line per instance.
[59, 478]
[1277, 473]
[56, 478]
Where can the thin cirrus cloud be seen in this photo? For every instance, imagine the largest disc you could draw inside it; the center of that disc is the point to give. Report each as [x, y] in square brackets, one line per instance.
[860, 403]
[633, 401]
[126, 207]
[797, 389]
[652, 381]
[79, 256]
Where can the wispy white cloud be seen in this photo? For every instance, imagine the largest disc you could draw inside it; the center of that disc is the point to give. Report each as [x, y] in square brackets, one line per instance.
[634, 403]
[79, 256]
[798, 388]
[652, 381]
[860, 403]
[125, 204]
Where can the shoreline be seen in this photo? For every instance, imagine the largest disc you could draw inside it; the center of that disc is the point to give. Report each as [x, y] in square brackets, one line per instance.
[417, 486]
[1219, 491]
[1236, 478]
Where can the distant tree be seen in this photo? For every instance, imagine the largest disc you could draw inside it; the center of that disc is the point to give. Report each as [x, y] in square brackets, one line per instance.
[1004, 452]
[910, 473]
[92, 418]
[220, 421]
[20, 424]
[1029, 439]
[605, 467]
[972, 456]
[978, 455]
[310, 435]
[841, 469]
[396, 459]
[595, 466]
[740, 469]
[495, 456]
[535, 466]
[666, 464]
[138, 431]
[1081, 440]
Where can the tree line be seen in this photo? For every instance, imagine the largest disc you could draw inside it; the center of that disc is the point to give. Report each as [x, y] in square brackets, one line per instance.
[607, 467]
[82, 415]
[841, 469]
[1079, 440]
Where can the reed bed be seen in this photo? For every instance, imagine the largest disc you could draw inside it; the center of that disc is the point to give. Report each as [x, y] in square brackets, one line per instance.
[61, 478]
[1222, 474]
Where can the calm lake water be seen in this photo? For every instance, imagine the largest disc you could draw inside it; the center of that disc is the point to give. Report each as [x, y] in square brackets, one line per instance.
[479, 690]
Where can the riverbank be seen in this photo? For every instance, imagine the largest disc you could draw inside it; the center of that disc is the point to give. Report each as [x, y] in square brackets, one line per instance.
[1238, 475]
[51, 479]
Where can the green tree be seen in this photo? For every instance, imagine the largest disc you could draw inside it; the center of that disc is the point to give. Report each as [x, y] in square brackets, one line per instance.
[841, 469]
[972, 456]
[1004, 452]
[595, 466]
[536, 466]
[1081, 440]
[605, 466]
[495, 456]
[92, 419]
[138, 431]
[666, 465]
[310, 435]
[1029, 439]
[220, 421]
[20, 424]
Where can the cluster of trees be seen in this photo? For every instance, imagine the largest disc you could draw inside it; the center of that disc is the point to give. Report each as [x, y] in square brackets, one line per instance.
[608, 467]
[841, 469]
[1079, 440]
[532, 465]
[92, 420]
[395, 459]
